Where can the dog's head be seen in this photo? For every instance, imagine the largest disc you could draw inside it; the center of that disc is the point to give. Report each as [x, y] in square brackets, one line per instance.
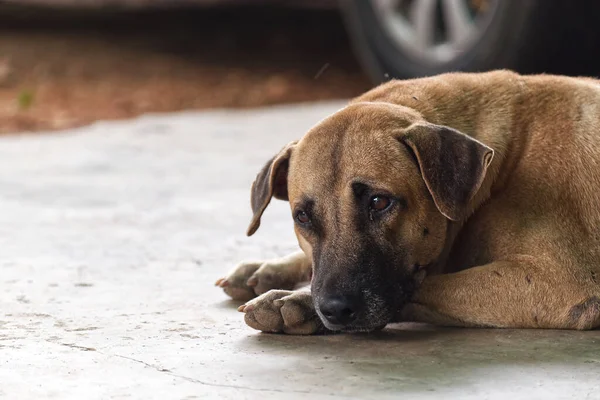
[371, 190]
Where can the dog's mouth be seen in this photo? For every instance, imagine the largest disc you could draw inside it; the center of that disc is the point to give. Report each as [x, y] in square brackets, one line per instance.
[374, 312]
[364, 329]
[368, 307]
[356, 327]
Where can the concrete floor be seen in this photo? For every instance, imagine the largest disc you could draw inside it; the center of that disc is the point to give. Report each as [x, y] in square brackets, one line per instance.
[113, 235]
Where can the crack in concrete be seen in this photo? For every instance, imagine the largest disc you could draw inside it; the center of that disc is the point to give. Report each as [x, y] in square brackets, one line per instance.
[74, 346]
[187, 378]
[204, 383]
[156, 367]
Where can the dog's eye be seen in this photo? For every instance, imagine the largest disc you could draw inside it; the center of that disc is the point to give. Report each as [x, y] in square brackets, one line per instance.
[302, 217]
[379, 203]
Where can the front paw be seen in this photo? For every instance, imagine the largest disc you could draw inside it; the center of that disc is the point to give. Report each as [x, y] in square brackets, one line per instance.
[235, 284]
[283, 311]
[250, 279]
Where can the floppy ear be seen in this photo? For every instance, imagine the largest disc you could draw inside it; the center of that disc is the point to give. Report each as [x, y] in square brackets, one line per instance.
[271, 181]
[453, 165]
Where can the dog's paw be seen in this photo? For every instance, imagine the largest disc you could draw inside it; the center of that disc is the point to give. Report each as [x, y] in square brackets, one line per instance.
[250, 279]
[283, 311]
[235, 284]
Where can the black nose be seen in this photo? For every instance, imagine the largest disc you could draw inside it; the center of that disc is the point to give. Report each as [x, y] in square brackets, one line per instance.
[339, 310]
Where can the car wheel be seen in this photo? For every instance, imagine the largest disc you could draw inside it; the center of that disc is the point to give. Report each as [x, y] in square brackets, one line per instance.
[413, 38]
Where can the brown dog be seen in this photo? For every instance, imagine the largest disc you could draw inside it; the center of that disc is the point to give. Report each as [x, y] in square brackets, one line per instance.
[462, 199]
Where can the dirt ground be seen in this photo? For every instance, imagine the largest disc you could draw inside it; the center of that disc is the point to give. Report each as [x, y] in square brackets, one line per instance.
[66, 69]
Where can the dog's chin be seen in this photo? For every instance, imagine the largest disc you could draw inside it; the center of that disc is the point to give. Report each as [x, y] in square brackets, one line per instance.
[364, 329]
[356, 328]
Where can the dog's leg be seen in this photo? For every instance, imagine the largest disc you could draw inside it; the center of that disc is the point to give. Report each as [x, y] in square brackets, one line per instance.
[509, 294]
[283, 311]
[250, 279]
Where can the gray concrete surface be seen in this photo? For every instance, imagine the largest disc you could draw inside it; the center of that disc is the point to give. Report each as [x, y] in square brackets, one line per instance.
[112, 236]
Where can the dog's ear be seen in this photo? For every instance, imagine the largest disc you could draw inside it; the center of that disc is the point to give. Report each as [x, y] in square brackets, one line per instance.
[270, 182]
[453, 165]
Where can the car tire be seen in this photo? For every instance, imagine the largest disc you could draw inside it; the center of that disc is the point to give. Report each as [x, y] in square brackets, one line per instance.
[522, 35]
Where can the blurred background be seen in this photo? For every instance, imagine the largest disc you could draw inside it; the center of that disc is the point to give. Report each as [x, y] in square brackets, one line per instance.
[66, 63]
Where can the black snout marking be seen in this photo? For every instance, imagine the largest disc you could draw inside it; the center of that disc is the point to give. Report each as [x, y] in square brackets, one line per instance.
[360, 279]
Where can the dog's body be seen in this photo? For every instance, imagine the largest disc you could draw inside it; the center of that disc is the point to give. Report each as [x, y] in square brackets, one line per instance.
[505, 221]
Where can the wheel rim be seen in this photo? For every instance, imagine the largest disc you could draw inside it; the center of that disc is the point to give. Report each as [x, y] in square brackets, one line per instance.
[434, 31]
